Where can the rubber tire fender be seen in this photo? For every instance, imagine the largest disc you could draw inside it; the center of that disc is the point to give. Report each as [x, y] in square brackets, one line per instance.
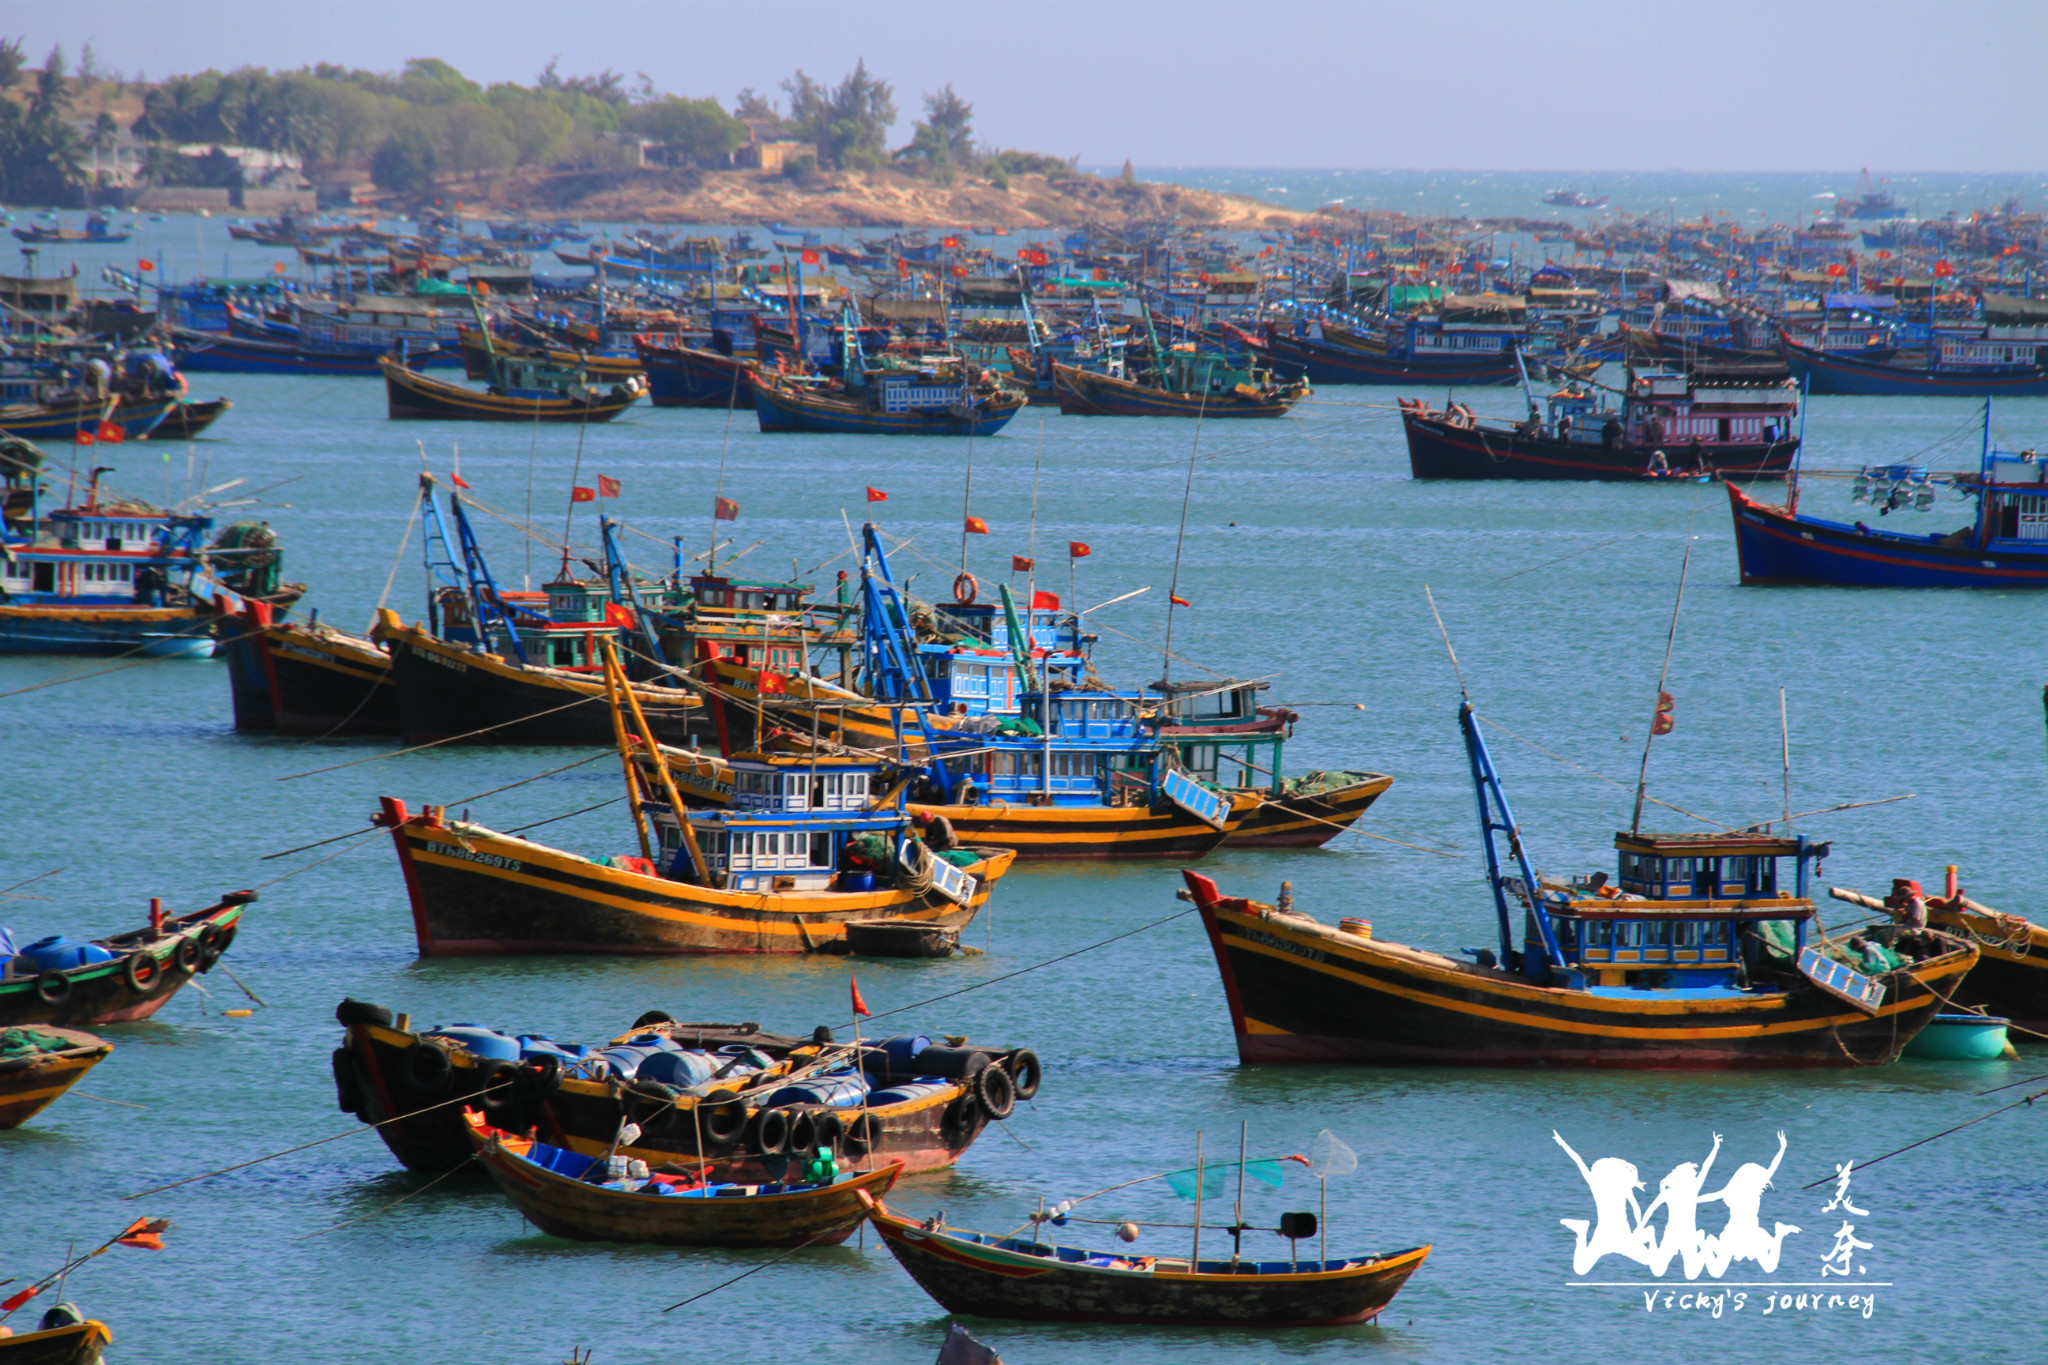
[963, 1113]
[495, 1085]
[771, 1132]
[723, 1117]
[996, 1092]
[187, 955]
[132, 971]
[862, 1135]
[425, 1068]
[803, 1132]
[53, 988]
[831, 1130]
[1026, 1072]
[352, 1012]
[210, 946]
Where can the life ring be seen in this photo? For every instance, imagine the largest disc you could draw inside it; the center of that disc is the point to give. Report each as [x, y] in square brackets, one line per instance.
[966, 589]
[187, 955]
[142, 971]
[425, 1068]
[771, 1132]
[53, 988]
[1026, 1071]
[861, 1135]
[722, 1116]
[996, 1092]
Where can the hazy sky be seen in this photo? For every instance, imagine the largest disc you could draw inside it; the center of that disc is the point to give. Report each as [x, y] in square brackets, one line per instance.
[1585, 84]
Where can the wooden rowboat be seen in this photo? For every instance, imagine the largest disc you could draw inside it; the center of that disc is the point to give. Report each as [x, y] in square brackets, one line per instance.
[413, 395]
[31, 1081]
[1012, 1277]
[146, 968]
[66, 1343]
[552, 1189]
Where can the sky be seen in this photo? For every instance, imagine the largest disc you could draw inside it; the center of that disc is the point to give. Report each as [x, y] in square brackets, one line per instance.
[1789, 85]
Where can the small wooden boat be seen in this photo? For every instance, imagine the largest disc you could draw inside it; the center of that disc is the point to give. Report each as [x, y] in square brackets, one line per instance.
[120, 979]
[1962, 1038]
[186, 419]
[889, 403]
[1307, 811]
[570, 1194]
[306, 679]
[477, 358]
[1330, 354]
[37, 1065]
[1013, 1277]
[221, 353]
[764, 1116]
[517, 396]
[63, 1337]
[1142, 829]
[1091, 393]
[84, 419]
[2011, 976]
[1693, 958]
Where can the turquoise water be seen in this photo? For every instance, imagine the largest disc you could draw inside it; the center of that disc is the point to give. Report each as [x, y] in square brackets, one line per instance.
[1306, 555]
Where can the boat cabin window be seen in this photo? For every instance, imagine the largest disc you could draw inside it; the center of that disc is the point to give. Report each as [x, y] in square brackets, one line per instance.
[1200, 760]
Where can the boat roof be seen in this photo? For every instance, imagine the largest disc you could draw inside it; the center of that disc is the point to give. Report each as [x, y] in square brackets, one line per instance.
[1174, 689]
[1739, 843]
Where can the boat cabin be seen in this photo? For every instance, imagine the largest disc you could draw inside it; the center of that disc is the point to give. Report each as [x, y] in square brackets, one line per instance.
[1098, 745]
[790, 824]
[1711, 405]
[754, 623]
[1222, 734]
[119, 555]
[971, 665]
[1683, 910]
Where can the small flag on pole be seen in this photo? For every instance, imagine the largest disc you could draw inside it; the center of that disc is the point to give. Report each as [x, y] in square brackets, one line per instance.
[860, 1006]
[146, 265]
[460, 482]
[618, 614]
[976, 526]
[145, 1234]
[1662, 722]
[810, 258]
[8, 1305]
[1045, 601]
[877, 495]
[724, 509]
[580, 494]
[82, 437]
[1078, 550]
[1019, 564]
[112, 433]
[1178, 600]
[772, 683]
[607, 487]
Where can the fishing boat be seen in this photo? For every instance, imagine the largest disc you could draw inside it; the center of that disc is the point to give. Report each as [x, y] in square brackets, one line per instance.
[1471, 348]
[1694, 957]
[1176, 381]
[185, 420]
[2004, 545]
[757, 1104]
[37, 1065]
[115, 980]
[992, 1276]
[116, 575]
[63, 1336]
[946, 397]
[306, 678]
[680, 376]
[2010, 980]
[1980, 362]
[201, 352]
[1215, 725]
[99, 229]
[520, 391]
[85, 419]
[478, 358]
[568, 1194]
[1734, 420]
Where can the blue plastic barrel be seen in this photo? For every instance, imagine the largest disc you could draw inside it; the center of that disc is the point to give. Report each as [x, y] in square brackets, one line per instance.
[856, 881]
[682, 1069]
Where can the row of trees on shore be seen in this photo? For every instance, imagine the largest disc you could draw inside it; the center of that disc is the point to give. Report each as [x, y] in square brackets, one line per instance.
[409, 128]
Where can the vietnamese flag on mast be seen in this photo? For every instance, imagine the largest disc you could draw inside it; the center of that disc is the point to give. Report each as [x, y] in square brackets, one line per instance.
[1019, 564]
[580, 494]
[607, 487]
[976, 526]
[724, 509]
[1177, 600]
[1078, 549]
[145, 1234]
[860, 1006]
[877, 495]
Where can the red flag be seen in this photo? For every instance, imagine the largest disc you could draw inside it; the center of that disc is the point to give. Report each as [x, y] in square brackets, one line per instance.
[81, 437]
[949, 242]
[1077, 550]
[772, 683]
[146, 265]
[976, 526]
[860, 1006]
[1045, 601]
[1662, 722]
[112, 433]
[1178, 600]
[144, 1234]
[460, 482]
[618, 614]
[724, 509]
[1944, 269]
[877, 495]
[580, 494]
[607, 487]
[1019, 564]
[10, 1304]
[810, 258]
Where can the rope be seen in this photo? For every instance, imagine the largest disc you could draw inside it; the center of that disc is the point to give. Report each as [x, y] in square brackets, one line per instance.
[394, 1203]
[373, 758]
[2028, 1100]
[755, 1271]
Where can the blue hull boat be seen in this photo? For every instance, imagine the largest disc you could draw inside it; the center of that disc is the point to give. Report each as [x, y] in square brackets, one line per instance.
[158, 633]
[218, 353]
[1821, 372]
[67, 421]
[687, 377]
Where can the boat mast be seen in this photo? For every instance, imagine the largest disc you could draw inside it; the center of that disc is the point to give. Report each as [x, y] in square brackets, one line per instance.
[1187, 495]
[1635, 823]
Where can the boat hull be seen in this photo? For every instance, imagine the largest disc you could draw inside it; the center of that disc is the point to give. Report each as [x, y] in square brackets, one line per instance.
[1307, 820]
[583, 1212]
[2010, 979]
[685, 377]
[1439, 449]
[1304, 994]
[108, 993]
[31, 1084]
[156, 632]
[783, 409]
[220, 353]
[1839, 374]
[1775, 547]
[186, 420]
[927, 1133]
[55, 422]
[325, 683]
[78, 1343]
[1047, 832]
[1085, 393]
[980, 1280]
[474, 892]
[416, 397]
[1323, 363]
[446, 692]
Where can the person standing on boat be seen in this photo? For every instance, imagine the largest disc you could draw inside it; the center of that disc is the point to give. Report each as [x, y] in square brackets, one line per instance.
[1907, 903]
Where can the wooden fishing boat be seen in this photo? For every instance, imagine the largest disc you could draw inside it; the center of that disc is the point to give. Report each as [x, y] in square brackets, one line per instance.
[37, 1065]
[477, 358]
[1954, 366]
[1140, 830]
[1309, 810]
[553, 1189]
[121, 979]
[85, 419]
[987, 1276]
[890, 403]
[186, 420]
[1695, 959]
[1415, 353]
[221, 353]
[2010, 979]
[63, 1338]
[416, 396]
[306, 679]
[755, 1122]
[680, 376]
[2003, 547]
[1091, 393]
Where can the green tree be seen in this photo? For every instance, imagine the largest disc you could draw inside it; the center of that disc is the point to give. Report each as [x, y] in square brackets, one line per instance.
[690, 130]
[538, 126]
[474, 137]
[12, 62]
[944, 138]
[405, 162]
[429, 80]
[849, 124]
